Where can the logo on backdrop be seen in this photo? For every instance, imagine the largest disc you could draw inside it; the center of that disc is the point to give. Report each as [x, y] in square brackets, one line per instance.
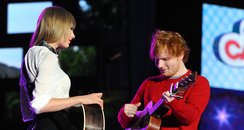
[229, 47]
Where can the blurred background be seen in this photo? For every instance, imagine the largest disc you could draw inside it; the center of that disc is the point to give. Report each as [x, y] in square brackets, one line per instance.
[110, 53]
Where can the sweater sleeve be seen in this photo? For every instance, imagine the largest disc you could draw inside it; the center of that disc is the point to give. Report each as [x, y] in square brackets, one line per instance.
[196, 101]
[122, 118]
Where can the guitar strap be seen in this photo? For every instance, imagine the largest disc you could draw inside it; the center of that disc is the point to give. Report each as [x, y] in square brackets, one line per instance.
[44, 43]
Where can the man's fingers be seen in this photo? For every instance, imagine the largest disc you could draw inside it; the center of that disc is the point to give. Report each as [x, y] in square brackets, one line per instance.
[138, 104]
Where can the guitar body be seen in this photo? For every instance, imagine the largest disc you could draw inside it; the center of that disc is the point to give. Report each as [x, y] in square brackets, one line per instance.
[146, 121]
[142, 118]
[154, 123]
[88, 117]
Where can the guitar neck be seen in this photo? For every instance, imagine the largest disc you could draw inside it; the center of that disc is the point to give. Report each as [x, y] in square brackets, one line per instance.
[156, 106]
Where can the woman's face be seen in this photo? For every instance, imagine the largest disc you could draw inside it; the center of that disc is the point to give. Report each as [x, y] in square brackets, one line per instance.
[66, 40]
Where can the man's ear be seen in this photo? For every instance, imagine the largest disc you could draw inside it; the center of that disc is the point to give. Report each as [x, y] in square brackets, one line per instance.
[181, 57]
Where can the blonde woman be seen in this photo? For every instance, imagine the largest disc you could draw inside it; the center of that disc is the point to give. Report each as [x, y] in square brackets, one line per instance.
[44, 86]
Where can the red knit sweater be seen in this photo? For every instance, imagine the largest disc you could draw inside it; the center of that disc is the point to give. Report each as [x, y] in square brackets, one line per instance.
[184, 114]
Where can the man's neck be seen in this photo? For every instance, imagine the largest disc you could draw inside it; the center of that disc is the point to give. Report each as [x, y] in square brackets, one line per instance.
[182, 70]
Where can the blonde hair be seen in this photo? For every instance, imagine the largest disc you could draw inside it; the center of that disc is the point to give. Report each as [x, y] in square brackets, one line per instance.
[52, 25]
[169, 41]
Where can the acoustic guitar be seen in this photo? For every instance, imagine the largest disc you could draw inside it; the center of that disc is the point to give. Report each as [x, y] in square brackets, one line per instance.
[88, 117]
[150, 117]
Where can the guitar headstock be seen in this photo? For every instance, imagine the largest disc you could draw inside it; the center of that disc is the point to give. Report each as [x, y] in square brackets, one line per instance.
[188, 80]
[177, 90]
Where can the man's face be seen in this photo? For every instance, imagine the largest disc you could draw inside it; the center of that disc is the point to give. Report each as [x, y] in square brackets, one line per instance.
[168, 65]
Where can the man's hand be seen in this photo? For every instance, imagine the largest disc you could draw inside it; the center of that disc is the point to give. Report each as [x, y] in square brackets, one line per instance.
[131, 109]
[167, 97]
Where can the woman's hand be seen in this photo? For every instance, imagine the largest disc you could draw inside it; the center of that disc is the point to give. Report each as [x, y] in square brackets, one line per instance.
[93, 98]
